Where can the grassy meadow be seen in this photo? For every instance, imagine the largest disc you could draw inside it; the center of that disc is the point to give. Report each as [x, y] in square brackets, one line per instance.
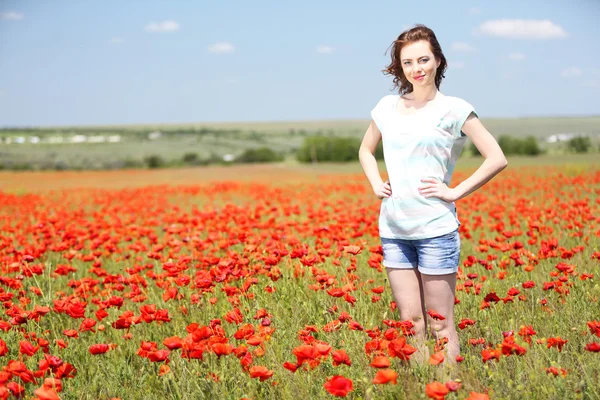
[265, 282]
[537, 126]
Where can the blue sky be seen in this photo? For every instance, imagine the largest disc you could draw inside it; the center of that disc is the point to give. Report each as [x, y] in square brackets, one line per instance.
[120, 62]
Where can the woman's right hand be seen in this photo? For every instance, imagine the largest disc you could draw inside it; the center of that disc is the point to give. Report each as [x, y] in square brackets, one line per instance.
[383, 190]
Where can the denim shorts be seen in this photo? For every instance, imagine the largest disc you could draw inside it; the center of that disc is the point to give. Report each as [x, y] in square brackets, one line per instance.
[433, 256]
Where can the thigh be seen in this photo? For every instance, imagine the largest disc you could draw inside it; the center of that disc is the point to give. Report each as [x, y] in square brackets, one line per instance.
[407, 289]
[439, 255]
[439, 293]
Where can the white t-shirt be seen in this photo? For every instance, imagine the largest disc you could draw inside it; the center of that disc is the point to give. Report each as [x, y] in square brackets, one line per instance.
[423, 144]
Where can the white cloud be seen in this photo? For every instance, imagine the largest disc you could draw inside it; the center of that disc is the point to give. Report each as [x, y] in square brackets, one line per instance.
[571, 72]
[456, 65]
[117, 40]
[516, 56]
[324, 49]
[522, 29]
[221, 47]
[164, 26]
[474, 11]
[462, 46]
[12, 15]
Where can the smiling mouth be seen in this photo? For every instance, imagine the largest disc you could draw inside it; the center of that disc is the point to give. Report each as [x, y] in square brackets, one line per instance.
[419, 77]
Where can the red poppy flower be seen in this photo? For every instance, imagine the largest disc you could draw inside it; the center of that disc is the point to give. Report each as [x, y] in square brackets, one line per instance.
[340, 357]
[385, 376]
[159, 355]
[510, 347]
[556, 342]
[163, 370]
[53, 383]
[87, 325]
[290, 366]
[380, 362]
[3, 348]
[355, 250]
[100, 348]
[399, 348]
[465, 322]
[436, 358]
[260, 372]
[44, 393]
[528, 284]
[453, 386]
[477, 396]
[490, 354]
[556, 371]
[27, 348]
[593, 347]
[436, 390]
[173, 343]
[338, 386]
[435, 315]
[594, 327]
[221, 349]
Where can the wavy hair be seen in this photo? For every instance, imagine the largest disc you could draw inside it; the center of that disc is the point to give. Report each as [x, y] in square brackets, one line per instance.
[415, 34]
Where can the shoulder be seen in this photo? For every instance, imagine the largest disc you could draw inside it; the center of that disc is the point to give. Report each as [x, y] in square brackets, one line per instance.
[387, 100]
[459, 110]
[458, 103]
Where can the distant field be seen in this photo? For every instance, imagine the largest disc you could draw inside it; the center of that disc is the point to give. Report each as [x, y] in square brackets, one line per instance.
[539, 126]
[273, 174]
[216, 140]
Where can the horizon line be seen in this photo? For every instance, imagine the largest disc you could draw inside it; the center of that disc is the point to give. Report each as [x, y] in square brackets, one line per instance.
[198, 123]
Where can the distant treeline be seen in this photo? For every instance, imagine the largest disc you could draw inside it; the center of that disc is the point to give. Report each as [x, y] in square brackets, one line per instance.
[332, 149]
[339, 149]
[529, 146]
[314, 149]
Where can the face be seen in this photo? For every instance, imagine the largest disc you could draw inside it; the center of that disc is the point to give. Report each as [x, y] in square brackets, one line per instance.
[418, 63]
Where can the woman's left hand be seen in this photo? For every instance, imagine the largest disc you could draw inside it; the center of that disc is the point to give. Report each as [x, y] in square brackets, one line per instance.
[433, 188]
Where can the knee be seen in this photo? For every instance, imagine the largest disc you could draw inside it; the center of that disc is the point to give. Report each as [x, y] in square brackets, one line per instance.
[440, 329]
[418, 325]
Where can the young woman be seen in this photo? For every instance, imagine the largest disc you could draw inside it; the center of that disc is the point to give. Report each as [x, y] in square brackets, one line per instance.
[423, 132]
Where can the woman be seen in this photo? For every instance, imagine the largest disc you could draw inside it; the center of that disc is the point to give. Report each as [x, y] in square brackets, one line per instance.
[423, 132]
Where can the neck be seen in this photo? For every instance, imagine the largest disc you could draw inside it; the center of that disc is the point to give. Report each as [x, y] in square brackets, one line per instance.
[423, 94]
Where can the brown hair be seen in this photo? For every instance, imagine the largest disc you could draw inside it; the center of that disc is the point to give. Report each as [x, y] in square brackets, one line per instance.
[415, 34]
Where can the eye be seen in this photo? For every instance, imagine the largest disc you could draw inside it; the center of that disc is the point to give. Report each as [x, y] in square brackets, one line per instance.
[406, 62]
[424, 59]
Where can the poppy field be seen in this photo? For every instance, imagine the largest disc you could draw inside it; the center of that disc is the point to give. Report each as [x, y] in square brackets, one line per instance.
[250, 289]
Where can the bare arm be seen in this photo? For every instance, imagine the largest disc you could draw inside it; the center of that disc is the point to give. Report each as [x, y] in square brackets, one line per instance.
[494, 162]
[366, 155]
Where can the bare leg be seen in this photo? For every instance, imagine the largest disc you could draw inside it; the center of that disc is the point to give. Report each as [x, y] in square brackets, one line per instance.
[439, 296]
[407, 289]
